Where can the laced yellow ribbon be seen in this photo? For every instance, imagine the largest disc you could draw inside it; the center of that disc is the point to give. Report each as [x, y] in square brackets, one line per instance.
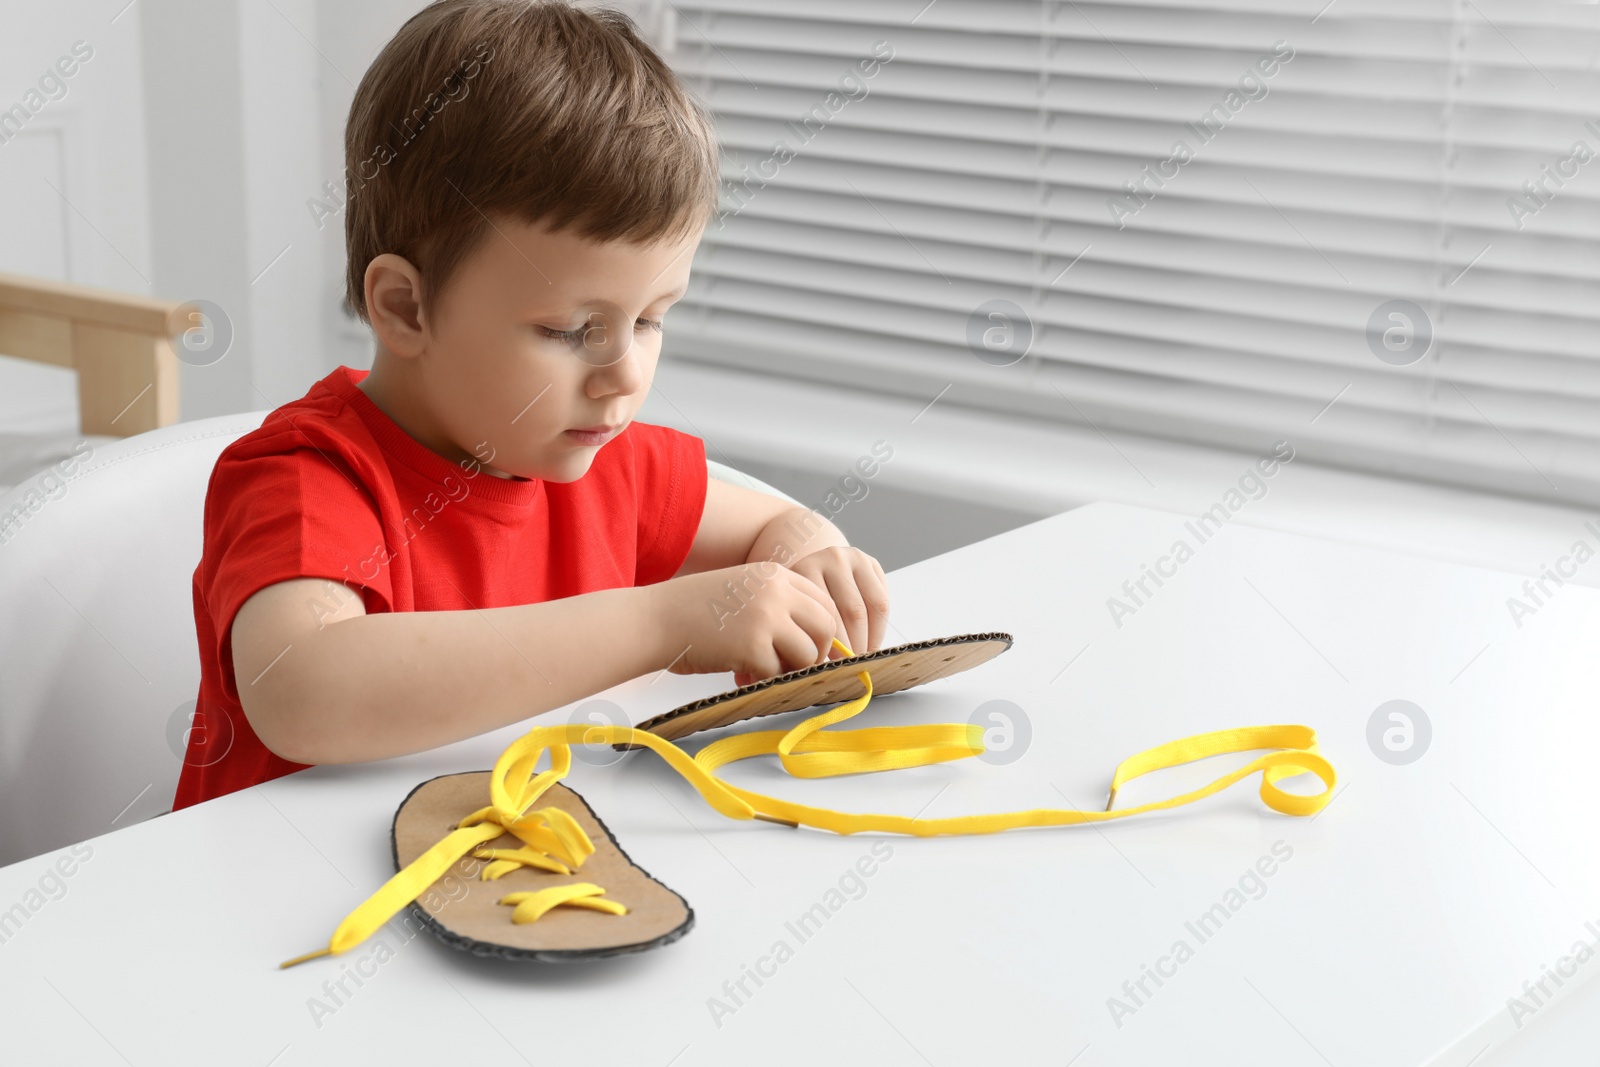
[553, 840]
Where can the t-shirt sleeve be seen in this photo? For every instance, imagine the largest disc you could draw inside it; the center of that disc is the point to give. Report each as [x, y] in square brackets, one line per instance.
[670, 479]
[275, 516]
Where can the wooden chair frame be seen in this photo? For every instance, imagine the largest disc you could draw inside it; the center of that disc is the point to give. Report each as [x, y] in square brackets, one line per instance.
[119, 344]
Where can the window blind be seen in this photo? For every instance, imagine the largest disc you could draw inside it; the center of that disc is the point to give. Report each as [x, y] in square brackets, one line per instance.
[1377, 240]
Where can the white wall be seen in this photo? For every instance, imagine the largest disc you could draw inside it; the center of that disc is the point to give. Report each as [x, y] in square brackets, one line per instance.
[93, 225]
[231, 90]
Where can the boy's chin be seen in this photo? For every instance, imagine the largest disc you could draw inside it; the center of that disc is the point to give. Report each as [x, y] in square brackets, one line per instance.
[567, 468]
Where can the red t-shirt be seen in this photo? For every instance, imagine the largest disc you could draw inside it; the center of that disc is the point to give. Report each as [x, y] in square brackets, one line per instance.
[331, 487]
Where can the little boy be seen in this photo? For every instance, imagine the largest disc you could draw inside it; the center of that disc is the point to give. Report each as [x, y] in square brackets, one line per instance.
[477, 531]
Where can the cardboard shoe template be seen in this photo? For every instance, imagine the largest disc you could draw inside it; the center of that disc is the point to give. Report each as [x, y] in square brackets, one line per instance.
[550, 883]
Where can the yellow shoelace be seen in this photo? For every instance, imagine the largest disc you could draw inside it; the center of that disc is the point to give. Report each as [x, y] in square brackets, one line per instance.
[554, 841]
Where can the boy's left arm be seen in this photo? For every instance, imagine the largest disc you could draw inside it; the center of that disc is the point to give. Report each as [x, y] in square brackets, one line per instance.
[742, 525]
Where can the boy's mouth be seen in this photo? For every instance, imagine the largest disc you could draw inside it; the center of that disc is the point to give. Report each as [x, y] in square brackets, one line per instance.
[593, 435]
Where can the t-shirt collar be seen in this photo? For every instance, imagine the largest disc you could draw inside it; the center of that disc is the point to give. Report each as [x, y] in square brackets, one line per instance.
[405, 449]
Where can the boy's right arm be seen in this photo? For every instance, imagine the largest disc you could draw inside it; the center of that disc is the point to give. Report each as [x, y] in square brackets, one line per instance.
[347, 686]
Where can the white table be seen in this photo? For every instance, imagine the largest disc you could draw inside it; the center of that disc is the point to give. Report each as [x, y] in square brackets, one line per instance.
[1408, 913]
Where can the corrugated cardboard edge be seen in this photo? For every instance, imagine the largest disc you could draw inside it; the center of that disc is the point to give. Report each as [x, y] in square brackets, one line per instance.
[848, 663]
[492, 950]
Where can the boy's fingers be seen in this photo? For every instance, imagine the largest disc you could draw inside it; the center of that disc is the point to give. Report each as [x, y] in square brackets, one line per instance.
[810, 587]
[795, 649]
[860, 591]
[822, 625]
[874, 589]
[840, 596]
[850, 610]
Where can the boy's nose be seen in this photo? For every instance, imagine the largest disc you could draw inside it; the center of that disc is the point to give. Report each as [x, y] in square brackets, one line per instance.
[614, 367]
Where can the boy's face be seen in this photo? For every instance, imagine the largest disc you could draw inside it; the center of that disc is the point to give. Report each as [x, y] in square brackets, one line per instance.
[537, 334]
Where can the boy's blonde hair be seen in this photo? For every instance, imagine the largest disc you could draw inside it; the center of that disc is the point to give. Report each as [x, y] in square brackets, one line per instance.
[532, 109]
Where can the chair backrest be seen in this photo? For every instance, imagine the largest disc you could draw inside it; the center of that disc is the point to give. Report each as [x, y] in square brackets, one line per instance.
[734, 476]
[98, 663]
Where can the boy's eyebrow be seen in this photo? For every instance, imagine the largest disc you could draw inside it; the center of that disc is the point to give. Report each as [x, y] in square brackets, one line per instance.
[669, 294]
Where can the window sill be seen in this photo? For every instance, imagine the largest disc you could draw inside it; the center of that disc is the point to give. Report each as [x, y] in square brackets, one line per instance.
[1029, 469]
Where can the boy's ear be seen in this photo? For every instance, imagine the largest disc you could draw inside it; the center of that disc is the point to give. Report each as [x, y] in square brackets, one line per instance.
[394, 304]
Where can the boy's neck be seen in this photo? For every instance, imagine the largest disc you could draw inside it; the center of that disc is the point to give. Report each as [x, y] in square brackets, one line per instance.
[387, 385]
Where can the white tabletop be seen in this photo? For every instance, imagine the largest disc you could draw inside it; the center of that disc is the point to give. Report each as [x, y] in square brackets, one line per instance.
[1392, 930]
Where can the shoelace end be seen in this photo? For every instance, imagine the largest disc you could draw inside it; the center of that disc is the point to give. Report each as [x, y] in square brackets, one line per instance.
[302, 959]
[774, 818]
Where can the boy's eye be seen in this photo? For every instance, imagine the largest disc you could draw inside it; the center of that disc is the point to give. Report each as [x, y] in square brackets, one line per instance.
[575, 336]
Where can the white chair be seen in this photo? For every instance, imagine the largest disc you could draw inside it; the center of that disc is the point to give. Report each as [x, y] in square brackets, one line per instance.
[98, 660]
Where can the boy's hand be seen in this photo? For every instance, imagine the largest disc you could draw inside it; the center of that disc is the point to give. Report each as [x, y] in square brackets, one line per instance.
[859, 596]
[777, 619]
[856, 584]
[756, 619]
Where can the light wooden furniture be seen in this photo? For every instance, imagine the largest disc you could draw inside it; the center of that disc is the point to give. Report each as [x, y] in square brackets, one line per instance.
[118, 343]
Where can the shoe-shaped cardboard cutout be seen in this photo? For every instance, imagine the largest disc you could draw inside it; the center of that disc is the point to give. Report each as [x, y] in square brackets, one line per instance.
[893, 669]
